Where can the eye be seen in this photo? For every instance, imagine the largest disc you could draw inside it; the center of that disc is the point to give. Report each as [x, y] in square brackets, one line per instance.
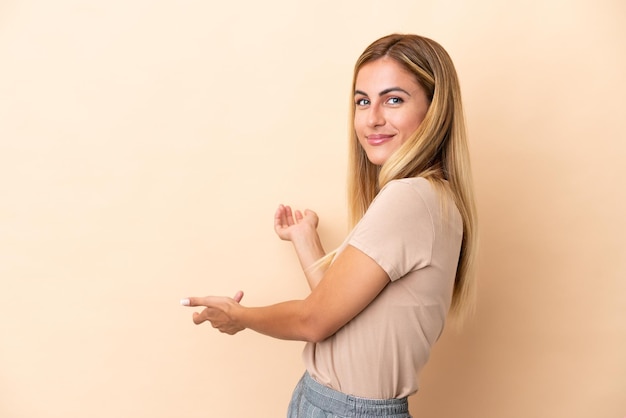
[395, 100]
[362, 102]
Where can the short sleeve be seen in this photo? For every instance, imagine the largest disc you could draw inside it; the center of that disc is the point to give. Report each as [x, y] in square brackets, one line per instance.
[397, 230]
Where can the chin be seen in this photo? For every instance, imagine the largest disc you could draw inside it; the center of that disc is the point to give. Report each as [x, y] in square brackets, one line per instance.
[377, 159]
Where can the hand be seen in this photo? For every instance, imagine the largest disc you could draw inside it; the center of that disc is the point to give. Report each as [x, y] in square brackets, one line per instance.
[218, 311]
[289, 224]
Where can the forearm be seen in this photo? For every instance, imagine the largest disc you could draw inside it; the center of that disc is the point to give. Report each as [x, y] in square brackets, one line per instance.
[287, 320]
[309, 250]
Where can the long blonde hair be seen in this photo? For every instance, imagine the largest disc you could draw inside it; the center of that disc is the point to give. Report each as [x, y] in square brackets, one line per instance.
[437, 151]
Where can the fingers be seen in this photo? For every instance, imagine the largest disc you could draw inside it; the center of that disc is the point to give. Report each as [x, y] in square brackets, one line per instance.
[289, 215]
[283, 217]
[217, 312]
[309, 212]
[279, 215]
[208, 301]
[191, 302]
[214, 307]
[200, 317]
[287, 222]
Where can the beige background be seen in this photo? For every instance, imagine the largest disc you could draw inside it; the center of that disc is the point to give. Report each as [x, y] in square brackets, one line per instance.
[144, 146]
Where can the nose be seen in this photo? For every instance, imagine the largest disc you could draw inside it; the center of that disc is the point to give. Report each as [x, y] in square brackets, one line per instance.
[375, 117]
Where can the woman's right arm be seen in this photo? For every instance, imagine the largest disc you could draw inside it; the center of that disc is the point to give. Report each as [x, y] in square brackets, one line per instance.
[301, 229]
[349, 285]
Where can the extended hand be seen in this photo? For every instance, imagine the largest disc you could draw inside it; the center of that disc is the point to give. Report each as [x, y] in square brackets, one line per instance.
[218, 311]
[288, 224]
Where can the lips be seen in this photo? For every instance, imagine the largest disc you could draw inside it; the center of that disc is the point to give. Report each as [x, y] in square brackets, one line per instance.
[378, 139]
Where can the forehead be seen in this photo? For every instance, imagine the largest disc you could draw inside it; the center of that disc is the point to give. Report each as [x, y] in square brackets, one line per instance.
[384, 73]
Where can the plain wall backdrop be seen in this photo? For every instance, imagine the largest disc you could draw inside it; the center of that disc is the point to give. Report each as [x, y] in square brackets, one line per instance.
[144, 146]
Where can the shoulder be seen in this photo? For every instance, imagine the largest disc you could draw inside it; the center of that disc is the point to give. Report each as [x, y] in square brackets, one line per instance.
[417, 184]
[411, 188]
[403, 200]
[398, 229]
[420, 196]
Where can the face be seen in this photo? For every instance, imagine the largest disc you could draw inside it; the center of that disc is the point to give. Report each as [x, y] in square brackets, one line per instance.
[390, 106]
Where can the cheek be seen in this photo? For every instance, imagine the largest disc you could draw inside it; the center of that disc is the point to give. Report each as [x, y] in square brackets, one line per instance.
[359, 127]
[358, 122]
[410, 125]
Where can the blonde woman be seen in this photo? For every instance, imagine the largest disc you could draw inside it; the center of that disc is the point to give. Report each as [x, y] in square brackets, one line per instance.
[379, 302]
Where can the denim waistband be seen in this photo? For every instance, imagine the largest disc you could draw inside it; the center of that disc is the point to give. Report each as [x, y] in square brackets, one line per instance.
[352, 406]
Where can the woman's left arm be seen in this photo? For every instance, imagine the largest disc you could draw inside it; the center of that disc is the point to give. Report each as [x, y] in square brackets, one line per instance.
[301, 229]
[349, 285]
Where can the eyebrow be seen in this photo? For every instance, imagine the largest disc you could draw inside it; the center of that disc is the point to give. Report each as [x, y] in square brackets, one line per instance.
[386, 91]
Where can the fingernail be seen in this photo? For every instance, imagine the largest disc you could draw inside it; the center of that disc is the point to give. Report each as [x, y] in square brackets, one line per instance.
[184, 302]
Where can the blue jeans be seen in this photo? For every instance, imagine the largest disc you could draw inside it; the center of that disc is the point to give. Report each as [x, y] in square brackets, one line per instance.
[313, 400]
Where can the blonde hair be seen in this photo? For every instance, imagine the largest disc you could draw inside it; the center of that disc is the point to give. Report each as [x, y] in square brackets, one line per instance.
[436, 151]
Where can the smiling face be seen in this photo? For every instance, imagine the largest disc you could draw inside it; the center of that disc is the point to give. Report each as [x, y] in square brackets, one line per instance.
[389, 106]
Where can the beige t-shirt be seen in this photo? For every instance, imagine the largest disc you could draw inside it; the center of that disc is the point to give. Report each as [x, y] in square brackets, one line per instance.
[380, 352]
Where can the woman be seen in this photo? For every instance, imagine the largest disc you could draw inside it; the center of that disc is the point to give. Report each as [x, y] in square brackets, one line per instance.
[379, 302]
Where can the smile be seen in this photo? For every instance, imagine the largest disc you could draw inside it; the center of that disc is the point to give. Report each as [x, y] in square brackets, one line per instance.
[378, 139]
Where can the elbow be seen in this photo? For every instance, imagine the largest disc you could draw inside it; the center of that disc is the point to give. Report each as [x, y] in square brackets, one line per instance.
[314, 329]
[315, 336]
